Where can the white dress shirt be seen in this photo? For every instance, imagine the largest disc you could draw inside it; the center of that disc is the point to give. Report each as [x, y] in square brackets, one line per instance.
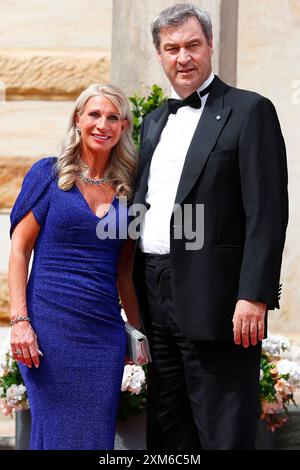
[164, 175]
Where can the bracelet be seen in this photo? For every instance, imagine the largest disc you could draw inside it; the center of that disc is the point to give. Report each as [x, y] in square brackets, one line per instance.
[16, 320]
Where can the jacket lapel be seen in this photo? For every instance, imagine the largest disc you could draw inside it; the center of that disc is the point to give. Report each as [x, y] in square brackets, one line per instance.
[155, 129]
[211, 123]
[151, 140]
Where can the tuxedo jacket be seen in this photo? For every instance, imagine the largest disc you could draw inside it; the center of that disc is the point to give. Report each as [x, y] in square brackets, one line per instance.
[236, 167]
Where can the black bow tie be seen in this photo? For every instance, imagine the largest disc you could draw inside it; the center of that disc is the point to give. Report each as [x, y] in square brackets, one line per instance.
[193, 100]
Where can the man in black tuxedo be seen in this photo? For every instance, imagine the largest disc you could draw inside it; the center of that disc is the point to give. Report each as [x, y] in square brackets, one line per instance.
[212, 166]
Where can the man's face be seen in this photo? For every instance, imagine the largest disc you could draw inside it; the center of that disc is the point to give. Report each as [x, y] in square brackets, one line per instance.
[185, 56]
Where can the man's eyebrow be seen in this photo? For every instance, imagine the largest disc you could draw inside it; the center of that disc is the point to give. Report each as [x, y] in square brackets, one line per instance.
[190, 41]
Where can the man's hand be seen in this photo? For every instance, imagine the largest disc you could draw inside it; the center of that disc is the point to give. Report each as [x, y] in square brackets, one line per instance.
[248, 321]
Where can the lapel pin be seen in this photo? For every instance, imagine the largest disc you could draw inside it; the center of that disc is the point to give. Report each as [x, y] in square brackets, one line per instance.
[218, 117]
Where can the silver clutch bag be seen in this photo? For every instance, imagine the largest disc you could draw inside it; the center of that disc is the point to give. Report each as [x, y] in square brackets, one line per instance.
[138, 350]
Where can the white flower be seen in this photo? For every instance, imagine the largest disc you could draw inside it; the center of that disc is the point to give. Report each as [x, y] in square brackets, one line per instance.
[2, 370]
[126, 378]
[285, 366]
[261, 374]
[133, 379]
[138, 379]
[275, 344]
[15, 394]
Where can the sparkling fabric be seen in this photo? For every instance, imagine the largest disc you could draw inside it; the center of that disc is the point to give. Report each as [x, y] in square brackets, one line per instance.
[73, 303]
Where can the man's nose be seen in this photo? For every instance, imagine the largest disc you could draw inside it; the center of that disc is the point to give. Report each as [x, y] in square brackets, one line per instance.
[183, 56]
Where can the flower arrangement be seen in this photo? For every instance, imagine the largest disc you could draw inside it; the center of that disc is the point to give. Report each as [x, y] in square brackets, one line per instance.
[133, 398]
[13, 395]
[279, 379]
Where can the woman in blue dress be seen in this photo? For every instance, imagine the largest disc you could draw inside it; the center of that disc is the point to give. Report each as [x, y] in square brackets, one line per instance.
[67, 331]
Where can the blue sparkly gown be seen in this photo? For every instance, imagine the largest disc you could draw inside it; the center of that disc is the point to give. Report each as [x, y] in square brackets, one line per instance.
[72, 301]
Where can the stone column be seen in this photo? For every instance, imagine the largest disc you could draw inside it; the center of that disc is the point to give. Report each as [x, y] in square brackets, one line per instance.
[134, 66]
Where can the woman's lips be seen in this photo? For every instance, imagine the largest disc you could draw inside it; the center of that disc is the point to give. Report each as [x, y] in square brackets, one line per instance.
[100, 137]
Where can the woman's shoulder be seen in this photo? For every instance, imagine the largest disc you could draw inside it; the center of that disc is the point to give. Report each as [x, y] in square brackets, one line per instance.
[34, 189]
[43, 167]
[39, 177]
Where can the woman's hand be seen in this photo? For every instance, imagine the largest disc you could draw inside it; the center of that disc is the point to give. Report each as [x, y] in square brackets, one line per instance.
[24, 344]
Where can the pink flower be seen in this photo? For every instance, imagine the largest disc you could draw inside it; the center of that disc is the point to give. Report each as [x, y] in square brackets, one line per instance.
[6, 409]
[270, 408]
[283, 389]
[269, 414]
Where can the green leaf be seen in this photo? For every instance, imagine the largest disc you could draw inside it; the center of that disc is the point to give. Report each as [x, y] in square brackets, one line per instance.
[143, 105]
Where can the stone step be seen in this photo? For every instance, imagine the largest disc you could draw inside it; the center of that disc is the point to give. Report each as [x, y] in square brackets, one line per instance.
[52, 74]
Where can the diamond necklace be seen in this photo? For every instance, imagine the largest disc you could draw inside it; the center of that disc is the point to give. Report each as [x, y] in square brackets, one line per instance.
[92, 181]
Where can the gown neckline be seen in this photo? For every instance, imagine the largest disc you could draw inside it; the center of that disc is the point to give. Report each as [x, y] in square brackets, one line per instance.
[112, 203]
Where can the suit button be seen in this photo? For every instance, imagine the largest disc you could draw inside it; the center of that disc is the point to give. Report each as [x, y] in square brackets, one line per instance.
[218, 117]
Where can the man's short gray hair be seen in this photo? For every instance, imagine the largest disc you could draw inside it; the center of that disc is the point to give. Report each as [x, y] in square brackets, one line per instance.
[177, 15]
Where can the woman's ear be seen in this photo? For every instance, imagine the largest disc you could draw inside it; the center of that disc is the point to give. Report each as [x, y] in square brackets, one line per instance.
[77, 120]
[125, 124]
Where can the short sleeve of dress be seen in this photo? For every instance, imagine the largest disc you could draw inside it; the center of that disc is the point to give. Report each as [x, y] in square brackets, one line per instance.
[40, 208]
[34, 194]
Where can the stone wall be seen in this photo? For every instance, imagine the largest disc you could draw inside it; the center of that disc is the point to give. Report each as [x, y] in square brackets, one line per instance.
[11, 176]
[51, 74]
[55, 24]
[49, 53]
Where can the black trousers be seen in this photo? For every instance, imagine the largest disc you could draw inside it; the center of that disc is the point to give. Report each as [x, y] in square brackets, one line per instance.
[201, 395]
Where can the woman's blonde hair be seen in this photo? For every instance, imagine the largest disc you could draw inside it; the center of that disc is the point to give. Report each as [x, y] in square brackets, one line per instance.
[122, 163]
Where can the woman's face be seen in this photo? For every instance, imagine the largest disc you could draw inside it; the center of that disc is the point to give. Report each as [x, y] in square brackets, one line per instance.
[100, 125]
